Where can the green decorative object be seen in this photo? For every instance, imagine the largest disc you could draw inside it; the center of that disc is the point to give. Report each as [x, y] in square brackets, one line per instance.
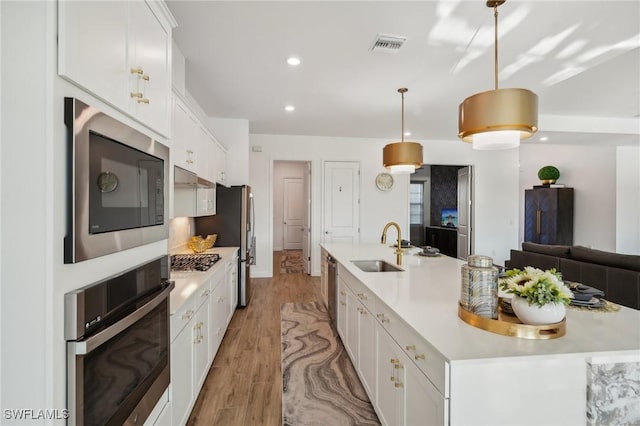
[548, 174]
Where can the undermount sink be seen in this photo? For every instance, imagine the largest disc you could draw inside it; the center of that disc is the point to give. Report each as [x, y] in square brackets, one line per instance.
[376, 266]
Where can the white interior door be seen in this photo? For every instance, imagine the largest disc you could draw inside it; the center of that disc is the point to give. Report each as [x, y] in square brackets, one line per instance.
[306, 232]
[464, 213]
[341, 201]
[294, 213]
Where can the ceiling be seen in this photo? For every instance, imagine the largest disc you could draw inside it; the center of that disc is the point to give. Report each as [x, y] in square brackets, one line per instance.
[582, 58]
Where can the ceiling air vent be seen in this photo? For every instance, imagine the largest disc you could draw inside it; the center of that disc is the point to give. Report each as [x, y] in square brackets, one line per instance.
[387, 43]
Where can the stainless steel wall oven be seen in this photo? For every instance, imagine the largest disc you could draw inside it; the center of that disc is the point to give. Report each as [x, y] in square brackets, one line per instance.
[116, 185]
[117, 334]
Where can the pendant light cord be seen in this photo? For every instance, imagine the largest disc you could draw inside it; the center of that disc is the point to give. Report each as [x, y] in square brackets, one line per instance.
[402, 92]
[495, 51]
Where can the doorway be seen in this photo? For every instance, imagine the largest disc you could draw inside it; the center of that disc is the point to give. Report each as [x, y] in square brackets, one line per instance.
[440, 205]
[292, 209]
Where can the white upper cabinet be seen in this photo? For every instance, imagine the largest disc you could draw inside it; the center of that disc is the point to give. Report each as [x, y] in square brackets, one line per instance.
[150, 63]
[220, 159]
[183, 149]
[120, 52]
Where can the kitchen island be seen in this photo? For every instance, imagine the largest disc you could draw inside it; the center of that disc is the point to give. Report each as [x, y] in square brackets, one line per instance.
[474, 376]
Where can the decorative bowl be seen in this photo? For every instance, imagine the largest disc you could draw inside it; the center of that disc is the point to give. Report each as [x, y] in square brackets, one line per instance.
[199, 244]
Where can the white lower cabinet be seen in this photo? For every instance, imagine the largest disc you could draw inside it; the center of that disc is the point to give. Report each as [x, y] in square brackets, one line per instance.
[197, 329]
[200, 333]
[181, 386]
[405, 395]
[341, 300]
[391, 361]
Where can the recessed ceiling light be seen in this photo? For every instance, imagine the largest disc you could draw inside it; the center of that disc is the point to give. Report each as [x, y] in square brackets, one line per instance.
[407, 133]
[544, 138]
[289, 108]
[293, 61]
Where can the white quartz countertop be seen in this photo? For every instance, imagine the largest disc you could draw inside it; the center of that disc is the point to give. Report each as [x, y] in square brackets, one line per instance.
[425, 295]
[186, 283]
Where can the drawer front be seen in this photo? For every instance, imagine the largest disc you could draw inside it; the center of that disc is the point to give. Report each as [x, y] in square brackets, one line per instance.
[424, 356]
[183, 315]
[202, 294]
[362, 293]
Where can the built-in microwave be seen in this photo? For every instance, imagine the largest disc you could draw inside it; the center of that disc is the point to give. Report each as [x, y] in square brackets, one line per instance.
[117, 185]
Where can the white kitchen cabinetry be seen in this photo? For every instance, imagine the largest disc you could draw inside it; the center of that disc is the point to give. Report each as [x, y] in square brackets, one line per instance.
[360, 333]
[324, 277]
[219, 157]
[120, 52]
[405, 395]
[184, 142]
[200, 332]
[182, 383]
[393, 363]
[219, 310]
[204, 163]
[232, 279]
[341, 297]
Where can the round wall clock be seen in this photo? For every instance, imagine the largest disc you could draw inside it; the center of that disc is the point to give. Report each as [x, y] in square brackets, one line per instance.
[384, 181]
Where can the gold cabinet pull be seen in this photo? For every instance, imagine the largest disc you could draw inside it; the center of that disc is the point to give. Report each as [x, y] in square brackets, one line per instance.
[342, 292]
[136, 95]
[145, 77]
[399, 384]
[137, 70]
[419, 356]
[411, 347]
[143, 101]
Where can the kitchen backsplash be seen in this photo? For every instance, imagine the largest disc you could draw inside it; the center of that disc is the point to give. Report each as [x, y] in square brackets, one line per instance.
[180, 230]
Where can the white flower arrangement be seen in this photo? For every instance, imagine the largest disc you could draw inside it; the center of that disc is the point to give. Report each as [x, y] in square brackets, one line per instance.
[538, 287]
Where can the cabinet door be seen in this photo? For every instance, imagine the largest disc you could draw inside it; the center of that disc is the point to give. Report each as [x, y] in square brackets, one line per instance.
[324, 277]
[201, 346]
[341, 322]
[92, 48]
[182, 125]
[149, 52]
[220, 156]
[218, 325]
[232, 285]
[390, 381]
[182, 375]
[203, 152]
[367, 352]
[423, 404]
[353, 313]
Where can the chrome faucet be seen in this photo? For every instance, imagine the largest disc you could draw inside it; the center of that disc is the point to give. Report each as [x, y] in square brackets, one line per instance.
[383, 240]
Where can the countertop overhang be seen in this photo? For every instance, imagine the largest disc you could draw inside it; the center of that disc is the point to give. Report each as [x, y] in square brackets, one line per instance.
[426, 294]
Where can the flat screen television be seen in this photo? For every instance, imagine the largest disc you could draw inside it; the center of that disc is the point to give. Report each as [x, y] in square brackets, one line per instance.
[449, 218]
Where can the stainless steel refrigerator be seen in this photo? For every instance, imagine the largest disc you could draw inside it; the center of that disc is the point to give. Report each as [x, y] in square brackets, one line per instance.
[233, 222]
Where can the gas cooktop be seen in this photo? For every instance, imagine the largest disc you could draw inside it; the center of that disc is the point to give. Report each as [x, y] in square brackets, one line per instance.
[193, 262]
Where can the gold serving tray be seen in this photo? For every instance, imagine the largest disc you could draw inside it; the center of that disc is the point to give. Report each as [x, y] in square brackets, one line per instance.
[510, 325]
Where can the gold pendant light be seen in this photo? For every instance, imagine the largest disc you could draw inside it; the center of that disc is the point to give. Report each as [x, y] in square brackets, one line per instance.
[500, 118]
[402, 157]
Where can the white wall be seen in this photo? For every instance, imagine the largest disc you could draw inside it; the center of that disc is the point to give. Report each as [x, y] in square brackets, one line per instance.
[628, 199]
[495, 188]
[591, 171]
[281, 170]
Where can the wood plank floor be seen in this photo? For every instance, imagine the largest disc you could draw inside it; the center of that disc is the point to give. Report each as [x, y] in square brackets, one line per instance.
[244, 385]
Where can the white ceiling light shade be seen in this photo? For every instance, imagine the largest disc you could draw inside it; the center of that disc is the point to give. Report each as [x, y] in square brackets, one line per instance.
[293, 61]
[289, 108]
[499, 118]
[402, 157]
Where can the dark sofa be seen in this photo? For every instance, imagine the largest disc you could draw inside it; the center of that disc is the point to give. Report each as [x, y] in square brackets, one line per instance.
[618, 275]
